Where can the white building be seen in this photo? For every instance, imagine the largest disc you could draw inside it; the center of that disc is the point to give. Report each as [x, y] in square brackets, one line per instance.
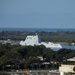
[66, 68]
[71, 59]
[40, 57]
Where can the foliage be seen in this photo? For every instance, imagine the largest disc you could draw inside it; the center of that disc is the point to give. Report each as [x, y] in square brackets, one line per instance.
[45, 36]
[74, 69]
[15, 57]
[4, 73]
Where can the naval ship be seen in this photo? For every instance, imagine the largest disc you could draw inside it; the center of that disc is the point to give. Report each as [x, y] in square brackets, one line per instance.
[35, 40]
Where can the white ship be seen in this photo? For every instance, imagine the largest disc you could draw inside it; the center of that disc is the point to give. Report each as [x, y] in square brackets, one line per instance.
[34, 40]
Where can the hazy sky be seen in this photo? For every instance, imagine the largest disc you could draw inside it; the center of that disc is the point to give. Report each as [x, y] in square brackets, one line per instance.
[37, 13]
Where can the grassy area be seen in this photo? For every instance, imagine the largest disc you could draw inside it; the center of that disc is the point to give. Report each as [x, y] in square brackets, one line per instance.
[4, 73]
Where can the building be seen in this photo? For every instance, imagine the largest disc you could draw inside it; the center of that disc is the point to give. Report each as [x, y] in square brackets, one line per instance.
[40, 57]
[71, 59]
[66, 68]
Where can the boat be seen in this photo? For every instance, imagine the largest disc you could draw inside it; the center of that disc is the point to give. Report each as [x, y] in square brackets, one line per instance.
[35, 40]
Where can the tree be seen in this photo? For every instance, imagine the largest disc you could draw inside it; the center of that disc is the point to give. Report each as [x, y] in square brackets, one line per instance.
[74, 69]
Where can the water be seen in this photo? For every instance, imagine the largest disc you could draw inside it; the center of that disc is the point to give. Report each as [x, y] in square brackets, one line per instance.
[68, 47]
[38, 29]
[65, 46]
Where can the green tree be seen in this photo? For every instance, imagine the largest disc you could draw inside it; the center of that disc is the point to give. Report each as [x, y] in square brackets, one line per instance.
[74, 69]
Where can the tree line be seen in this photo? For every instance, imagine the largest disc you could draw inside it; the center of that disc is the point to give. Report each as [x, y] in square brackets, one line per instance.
[26, 57]
[45, 36]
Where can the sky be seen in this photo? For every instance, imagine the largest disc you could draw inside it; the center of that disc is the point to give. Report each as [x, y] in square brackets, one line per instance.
[37, 13]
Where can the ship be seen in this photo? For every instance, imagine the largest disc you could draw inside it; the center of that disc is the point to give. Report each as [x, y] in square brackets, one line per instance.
[35, 40]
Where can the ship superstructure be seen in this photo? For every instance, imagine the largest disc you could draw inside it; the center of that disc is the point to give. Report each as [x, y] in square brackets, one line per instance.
[31, 40]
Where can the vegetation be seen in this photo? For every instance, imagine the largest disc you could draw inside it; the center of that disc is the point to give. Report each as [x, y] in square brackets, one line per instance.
[74, 69]
[4, 73]
[45, 36]
[13, 57]
[20, 57]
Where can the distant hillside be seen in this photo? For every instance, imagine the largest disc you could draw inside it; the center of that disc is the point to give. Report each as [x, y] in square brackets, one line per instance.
[45, 36]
